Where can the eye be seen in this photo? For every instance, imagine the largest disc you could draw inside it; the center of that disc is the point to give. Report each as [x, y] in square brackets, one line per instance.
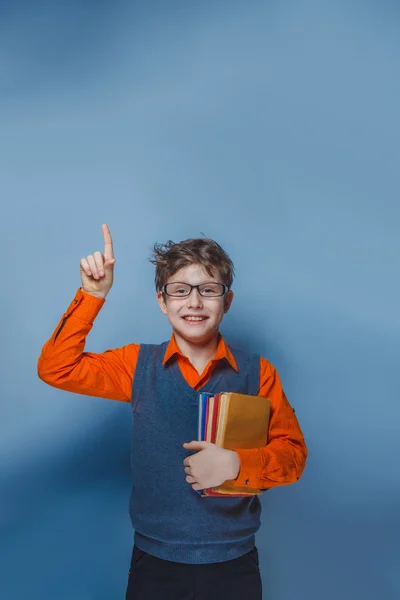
[177, 289]
[212, 289]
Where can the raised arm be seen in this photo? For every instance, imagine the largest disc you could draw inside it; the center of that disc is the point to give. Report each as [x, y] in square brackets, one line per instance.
[63, 363]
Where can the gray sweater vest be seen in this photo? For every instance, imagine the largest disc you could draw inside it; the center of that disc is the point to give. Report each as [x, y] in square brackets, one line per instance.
[171, 521]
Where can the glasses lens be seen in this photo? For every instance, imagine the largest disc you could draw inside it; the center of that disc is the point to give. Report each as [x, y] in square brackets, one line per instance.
[210, 290]
[177, 289]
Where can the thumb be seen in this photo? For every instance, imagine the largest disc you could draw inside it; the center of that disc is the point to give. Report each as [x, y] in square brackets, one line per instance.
[195, 445]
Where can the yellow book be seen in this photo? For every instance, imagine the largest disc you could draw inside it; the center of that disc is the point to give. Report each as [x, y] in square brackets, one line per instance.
[243, 422]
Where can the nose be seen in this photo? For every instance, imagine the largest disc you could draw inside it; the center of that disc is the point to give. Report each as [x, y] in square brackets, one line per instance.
[194, 299]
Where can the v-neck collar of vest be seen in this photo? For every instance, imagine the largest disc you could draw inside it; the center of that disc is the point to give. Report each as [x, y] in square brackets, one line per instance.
[183, 384]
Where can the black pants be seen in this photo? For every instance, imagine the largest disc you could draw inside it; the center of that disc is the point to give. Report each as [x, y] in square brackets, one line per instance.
[152, 578]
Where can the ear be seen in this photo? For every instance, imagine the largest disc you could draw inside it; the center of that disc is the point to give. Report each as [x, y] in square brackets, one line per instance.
[228, 299]
[161, 302]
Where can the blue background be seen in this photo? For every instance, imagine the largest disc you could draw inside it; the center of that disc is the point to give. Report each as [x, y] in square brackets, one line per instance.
[271, 127]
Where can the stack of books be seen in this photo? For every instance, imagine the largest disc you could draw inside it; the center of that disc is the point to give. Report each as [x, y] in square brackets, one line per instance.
[233, 421]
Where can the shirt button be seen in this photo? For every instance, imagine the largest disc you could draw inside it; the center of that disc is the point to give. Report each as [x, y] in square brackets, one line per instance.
[246, 482]
[75, 301]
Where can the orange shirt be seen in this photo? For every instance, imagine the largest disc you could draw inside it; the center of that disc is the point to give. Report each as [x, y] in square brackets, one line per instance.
[64, 365]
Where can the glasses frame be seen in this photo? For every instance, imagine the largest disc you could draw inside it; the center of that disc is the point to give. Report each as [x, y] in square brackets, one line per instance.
[192, 287]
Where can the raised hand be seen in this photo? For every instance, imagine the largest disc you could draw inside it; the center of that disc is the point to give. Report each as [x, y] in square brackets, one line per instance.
[97, 270]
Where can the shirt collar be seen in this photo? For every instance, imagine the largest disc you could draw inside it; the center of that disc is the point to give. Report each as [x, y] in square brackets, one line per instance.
[222, 352]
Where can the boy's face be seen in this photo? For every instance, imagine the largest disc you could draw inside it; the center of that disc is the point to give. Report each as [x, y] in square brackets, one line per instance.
[211, 310]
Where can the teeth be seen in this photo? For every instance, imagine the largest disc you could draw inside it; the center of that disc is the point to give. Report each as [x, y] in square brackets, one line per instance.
[194, 318]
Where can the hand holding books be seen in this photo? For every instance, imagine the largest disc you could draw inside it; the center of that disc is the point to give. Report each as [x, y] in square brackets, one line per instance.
[210, 466]
[232, 420]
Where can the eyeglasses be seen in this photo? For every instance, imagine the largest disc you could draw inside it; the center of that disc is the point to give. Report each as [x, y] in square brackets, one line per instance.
[178, 289]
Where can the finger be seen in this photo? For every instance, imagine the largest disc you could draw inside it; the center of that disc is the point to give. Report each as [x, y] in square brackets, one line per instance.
[196, 445]
[92, 266]
[109, 262]
[85, 267]
[190, 479]
[98, 259]
[108, 244]
[187, 470]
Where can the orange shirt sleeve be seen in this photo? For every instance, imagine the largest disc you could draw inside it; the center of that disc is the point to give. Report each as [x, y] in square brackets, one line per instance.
[283, 459]
[64, 364]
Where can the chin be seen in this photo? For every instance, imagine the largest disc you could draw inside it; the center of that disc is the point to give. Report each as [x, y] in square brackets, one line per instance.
[193, 337]
[196, 336]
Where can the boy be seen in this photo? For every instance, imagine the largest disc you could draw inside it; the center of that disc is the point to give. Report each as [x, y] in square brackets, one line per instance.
[185, 546]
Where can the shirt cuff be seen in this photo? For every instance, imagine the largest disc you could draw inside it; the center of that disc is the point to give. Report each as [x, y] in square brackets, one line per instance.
[250, 468]
[85, 306]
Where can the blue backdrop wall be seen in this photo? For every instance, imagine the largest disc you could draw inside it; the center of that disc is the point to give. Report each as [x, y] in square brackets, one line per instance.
[271, 127]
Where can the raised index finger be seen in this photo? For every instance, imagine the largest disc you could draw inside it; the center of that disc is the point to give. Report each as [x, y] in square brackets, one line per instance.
[108, 245]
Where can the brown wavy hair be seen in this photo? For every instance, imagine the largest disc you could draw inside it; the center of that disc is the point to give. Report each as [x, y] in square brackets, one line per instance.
[171, 257]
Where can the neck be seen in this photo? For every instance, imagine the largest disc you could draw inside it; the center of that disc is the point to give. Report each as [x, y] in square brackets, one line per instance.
[199, 353]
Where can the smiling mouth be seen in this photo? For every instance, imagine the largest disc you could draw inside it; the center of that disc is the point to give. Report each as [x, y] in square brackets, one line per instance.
[194, 319]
